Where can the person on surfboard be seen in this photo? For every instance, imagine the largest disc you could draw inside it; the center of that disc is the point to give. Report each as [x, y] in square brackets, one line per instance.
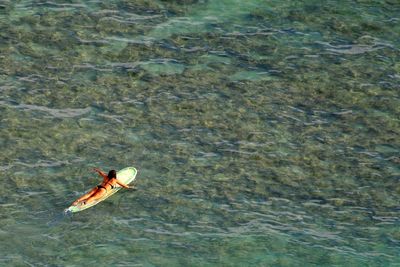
[109, 182]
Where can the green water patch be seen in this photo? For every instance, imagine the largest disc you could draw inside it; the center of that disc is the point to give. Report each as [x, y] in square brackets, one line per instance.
[251, 76]
[209, 59]
[163, 67]
[200, 17]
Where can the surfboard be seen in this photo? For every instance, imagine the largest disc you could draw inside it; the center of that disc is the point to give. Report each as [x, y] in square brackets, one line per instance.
[126, 176]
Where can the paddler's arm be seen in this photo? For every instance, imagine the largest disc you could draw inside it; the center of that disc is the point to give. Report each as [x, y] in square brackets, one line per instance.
[102, 174]
[124, 185]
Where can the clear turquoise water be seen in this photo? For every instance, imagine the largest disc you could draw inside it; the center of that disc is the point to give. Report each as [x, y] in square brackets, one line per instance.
[266, 133]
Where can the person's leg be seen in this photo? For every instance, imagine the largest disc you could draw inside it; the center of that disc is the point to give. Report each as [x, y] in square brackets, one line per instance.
[96, 196]
[87, 195]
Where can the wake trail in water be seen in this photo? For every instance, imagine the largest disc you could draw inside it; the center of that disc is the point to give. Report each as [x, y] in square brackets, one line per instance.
[59, 218]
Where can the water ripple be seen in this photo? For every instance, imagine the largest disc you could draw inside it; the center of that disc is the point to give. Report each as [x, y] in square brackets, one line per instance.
[57, 113]
[354, 49]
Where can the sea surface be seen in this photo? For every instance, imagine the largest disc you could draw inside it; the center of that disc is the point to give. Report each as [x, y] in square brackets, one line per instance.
[265, 133]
